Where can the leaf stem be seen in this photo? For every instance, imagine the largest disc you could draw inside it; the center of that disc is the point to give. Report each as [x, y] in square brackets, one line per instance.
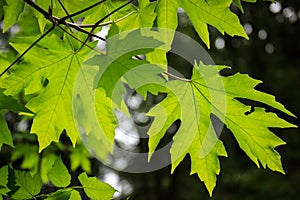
[168, 73]
[177, 77]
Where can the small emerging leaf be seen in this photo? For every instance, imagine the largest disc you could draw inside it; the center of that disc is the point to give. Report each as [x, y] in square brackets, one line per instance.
[59, 174]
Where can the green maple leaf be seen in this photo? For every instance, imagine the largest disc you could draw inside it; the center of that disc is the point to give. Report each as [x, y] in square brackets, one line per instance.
[49, 70]
[213, 12]
[103, 74]
[201, 12]
[144, 16]
[207, 93]
[96, 189]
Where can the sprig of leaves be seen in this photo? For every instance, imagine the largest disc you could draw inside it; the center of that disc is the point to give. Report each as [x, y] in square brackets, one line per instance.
[22, 185]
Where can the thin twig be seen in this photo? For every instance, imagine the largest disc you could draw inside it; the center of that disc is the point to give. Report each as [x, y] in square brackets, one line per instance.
[65, 10]
[38, 8]
[73, 24]
[103, 18]
[67, 13]
[89, 33]
[77, 38]
[82, 11]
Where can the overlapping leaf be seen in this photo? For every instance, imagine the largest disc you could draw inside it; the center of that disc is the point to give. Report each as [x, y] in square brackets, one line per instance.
[50, 70]
[105, 72]
[193, 102]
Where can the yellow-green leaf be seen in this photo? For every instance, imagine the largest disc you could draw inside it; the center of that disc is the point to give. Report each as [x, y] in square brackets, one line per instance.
[206, 94]
[12, 11]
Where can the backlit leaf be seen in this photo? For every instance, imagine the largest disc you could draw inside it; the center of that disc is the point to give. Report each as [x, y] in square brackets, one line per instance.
[50, 69]
[193, 102]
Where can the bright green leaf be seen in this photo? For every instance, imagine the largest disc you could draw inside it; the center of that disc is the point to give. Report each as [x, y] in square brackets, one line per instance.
[75, 195]
[119, 56]
[95, 189]
[142, 18]
[202, 13]
[193, 102]
[110, 68]
[213, 12]
[58, 64]
[59, 174]
[167, 20]
[12, 11]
